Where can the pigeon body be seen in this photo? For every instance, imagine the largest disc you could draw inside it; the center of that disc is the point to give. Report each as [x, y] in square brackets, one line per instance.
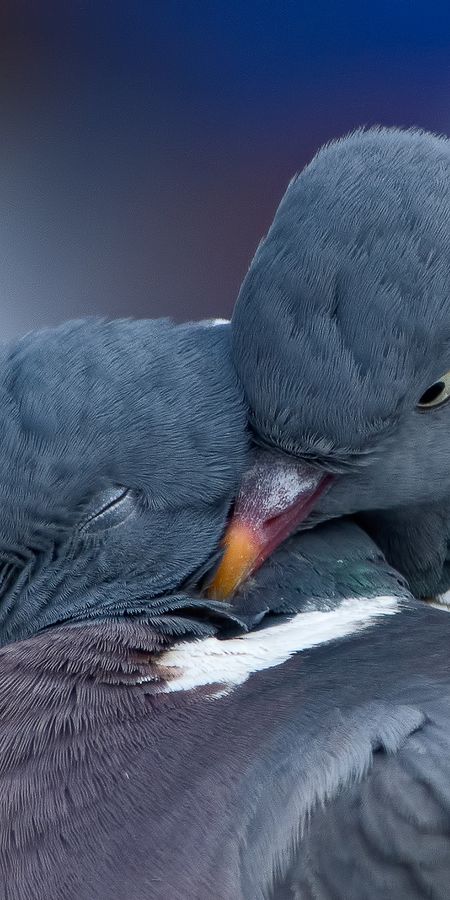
[341, 339]
[308, 756]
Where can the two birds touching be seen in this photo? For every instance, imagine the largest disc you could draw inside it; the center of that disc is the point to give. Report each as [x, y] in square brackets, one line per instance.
[159, 738]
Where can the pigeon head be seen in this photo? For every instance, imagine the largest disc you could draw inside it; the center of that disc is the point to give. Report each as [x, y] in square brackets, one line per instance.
[341, 332]
[121, 444]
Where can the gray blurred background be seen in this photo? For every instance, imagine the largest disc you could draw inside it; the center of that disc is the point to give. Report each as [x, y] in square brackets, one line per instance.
[145, 145]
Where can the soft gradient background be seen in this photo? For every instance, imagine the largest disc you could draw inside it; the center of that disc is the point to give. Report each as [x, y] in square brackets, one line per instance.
[144, 146]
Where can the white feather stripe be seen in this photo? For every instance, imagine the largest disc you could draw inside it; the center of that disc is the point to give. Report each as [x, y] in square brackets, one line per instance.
[231, 662]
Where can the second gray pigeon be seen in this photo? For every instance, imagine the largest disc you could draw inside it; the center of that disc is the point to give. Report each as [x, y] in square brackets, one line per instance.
[341, 338]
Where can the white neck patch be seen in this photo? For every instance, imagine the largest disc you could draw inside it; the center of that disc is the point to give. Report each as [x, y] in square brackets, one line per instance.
[212, 323]
[441, 601]
[228, 663]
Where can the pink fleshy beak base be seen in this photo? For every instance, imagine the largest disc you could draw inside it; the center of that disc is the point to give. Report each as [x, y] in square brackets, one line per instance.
[276, 495]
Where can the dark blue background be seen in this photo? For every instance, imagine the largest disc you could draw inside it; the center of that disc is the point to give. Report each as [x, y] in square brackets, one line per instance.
[145, 145]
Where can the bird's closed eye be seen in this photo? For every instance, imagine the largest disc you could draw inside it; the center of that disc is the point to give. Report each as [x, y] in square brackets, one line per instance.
[108, 509]
[437, 394]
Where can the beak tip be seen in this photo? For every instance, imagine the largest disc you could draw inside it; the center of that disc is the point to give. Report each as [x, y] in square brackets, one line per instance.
[241, 551]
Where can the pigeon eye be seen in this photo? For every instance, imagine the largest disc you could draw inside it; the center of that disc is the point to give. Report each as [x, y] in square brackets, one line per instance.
[108, 509]
[436, 394]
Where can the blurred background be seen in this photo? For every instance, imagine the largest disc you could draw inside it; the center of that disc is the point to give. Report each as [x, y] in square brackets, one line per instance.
[145, 145]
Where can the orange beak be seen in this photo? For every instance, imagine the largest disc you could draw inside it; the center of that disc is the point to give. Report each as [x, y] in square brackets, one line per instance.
[276, 495]
[242, 547]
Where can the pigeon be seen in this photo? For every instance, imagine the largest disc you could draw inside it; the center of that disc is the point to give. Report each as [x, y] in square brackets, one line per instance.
[341, 340]
[309, 756]
[158, 744]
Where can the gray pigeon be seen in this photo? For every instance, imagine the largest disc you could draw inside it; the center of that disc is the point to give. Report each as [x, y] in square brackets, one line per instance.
[341, 339]
[308, 757]
[151, 744]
